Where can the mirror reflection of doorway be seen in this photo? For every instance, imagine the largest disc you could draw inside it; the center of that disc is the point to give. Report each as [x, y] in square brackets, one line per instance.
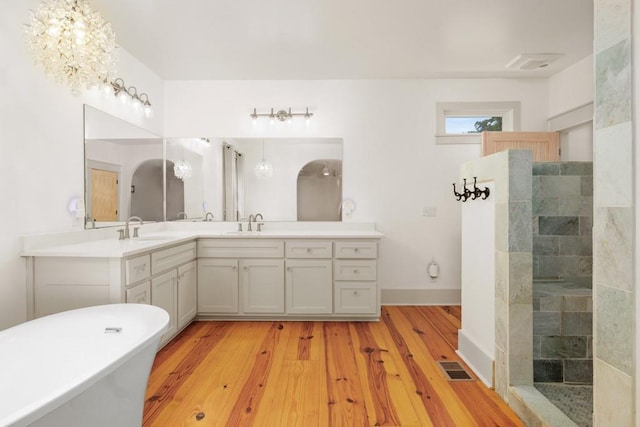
[104, 195]
[320, 191]
[147, 195]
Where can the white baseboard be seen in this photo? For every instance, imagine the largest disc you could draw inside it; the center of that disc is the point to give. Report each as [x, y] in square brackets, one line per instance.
[420, 296]
[480, 362]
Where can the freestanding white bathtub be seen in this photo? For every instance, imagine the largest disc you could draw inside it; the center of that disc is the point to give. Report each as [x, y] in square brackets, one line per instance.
[85, 367]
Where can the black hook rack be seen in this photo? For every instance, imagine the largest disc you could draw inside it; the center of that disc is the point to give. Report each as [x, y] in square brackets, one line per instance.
[470, 194]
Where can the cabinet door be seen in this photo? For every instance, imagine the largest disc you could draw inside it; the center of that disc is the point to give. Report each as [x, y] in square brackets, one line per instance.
[187, 293]
[262, 285]
[163, 295]
[309, 286]
[139, 294]
[217, 286]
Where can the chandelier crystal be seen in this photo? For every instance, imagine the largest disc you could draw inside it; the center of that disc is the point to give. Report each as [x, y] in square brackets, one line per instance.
[72, 43]
[182, 169]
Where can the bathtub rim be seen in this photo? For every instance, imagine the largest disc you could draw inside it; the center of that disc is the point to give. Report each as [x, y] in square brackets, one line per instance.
[41, 406]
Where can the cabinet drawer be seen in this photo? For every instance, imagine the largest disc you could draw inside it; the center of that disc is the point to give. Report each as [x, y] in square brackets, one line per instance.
[355, 297]
[172, 257]
[356, 249]
[137, 269]
[307, 249]
[140, 294]
[354, 270]
[240, 248]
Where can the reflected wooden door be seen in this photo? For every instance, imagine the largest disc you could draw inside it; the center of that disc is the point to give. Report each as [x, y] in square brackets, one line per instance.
[544, 145]
[104, 195]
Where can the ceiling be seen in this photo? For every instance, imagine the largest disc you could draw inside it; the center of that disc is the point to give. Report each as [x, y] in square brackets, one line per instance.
[348, 39]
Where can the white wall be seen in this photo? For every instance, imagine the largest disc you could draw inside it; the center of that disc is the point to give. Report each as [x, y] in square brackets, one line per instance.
[571, 88]
[392, 166]
[478, 284]
[41, 144]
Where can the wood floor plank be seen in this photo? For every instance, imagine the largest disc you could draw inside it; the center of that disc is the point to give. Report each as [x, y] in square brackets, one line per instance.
[371, 364]
[446, 325]
[321, 374]
[473, 394]
[407, 400]
[442, 404]
[205, 340]
[346, 401]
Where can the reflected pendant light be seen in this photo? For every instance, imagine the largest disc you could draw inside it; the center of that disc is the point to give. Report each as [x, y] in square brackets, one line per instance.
[263, 169]
[182, 169]
[72, 43]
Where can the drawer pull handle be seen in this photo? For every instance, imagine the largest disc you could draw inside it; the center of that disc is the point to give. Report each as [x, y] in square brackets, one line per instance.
[288, 268]
[308, 250]
[356, 250]
[246, 268]
[234, 268]
[355, 293]
[356, 271]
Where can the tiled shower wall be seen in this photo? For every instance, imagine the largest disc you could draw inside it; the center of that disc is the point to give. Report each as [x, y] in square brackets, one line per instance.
[562, 207]
[614, 216]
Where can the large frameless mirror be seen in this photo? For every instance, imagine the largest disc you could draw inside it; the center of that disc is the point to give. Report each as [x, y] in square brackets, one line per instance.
[123, 171]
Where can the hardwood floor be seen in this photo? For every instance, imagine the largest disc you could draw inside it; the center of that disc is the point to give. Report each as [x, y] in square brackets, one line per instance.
[320, 374]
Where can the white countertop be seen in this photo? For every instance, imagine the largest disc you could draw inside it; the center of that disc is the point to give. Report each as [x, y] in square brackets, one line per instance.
[153, 240]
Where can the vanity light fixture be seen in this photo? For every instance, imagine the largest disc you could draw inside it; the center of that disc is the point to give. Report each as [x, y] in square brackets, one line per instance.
[263, 168]
[72, 43]
[130, 95]
[281, 115]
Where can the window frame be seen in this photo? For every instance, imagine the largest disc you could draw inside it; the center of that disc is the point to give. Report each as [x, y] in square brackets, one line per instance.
[509, 111]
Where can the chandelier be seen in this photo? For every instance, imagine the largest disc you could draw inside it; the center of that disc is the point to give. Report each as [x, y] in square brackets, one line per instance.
[182, 169]
[72, 43]
[263, 168]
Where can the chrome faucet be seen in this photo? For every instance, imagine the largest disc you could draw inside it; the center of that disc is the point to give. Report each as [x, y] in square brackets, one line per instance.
[135, 229]
[259, 224]
[207, 216]
[88, 219]
[252, 218]
[184, 215]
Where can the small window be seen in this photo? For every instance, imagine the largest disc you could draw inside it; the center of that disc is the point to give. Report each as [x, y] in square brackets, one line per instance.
[461, 122]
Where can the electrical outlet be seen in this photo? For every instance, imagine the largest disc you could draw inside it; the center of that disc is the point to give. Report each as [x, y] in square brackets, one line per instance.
[429, 211]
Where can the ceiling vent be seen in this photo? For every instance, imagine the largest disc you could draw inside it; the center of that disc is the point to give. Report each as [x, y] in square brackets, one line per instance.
[532, 61]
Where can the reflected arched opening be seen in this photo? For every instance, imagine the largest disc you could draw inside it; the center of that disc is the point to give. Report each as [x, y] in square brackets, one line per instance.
[175, 193]
[146, 191]
[319, 190]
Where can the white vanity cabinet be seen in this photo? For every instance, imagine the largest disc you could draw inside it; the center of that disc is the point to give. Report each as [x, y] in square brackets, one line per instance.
[164, 277]
[164, 290]
[309, 277]
[355, 273]
[295, 278]
[240, 276]
[313, 275]
[218, 285]
[262, 286]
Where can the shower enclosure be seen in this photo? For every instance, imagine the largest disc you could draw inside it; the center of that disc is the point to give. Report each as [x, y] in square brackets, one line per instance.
[562, 209]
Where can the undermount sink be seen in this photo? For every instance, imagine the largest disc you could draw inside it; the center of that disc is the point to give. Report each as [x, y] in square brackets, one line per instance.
[240, 232]
[143, 238]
